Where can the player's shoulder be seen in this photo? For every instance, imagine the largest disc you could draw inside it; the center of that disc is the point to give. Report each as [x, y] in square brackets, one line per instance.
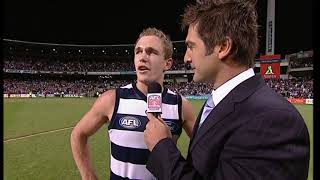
[107, 97]
[105, 103]
[111, 94]
[108, 93]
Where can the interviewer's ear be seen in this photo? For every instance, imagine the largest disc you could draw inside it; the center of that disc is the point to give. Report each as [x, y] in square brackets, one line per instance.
[225, 48]
[168, 64]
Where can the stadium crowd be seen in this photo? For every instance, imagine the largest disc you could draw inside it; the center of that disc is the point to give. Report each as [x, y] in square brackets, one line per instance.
[56, 64]
[41, 86]
[291, 88]
[75, 65]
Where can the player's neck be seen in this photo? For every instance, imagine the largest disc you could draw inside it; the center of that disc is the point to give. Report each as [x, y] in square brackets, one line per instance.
[143, 87]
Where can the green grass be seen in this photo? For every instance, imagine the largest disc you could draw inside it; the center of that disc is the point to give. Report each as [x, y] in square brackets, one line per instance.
[48, 156]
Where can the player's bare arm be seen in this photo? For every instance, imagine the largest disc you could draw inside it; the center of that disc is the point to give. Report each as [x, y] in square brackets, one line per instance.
[188, 116]
[100, 113]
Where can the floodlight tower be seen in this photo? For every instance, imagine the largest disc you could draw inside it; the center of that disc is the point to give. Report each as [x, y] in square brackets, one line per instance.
[270, 27]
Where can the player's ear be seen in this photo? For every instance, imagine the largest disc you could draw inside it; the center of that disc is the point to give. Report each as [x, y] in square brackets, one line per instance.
[168, 64]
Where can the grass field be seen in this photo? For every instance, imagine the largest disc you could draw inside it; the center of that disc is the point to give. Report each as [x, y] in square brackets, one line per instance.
[37, 138]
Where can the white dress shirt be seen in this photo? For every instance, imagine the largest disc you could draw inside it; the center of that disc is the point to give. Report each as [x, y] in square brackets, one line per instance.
[222, 91]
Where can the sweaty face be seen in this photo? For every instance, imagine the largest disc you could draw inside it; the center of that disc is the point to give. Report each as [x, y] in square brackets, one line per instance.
[204, 66]
[149, 60]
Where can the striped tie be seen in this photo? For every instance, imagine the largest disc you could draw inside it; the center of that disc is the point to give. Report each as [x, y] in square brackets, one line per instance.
[206, 110]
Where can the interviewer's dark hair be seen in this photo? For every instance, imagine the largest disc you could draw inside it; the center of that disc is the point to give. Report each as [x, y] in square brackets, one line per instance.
[217, 19]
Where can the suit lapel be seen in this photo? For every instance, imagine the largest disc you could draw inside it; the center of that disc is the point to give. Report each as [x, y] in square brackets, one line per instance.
[196, 126]
[225, 107]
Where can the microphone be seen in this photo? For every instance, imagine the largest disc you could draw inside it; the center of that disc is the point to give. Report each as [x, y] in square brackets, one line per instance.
[154, 99]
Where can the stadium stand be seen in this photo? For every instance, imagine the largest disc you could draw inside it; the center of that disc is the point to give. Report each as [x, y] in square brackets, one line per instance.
[84, 71]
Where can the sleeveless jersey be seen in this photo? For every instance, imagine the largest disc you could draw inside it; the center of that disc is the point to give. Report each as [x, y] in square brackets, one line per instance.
[129, 153]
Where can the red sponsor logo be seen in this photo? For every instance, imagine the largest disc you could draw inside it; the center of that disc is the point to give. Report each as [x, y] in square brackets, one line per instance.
[297, 101]
[270, 70]
[154, 102]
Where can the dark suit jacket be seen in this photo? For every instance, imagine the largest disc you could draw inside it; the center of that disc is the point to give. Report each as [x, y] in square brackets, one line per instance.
[252, 134]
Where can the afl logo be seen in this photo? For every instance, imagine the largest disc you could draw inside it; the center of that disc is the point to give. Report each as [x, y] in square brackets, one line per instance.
[130, 122]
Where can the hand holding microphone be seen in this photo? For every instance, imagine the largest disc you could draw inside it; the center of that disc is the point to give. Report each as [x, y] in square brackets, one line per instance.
[156, 128]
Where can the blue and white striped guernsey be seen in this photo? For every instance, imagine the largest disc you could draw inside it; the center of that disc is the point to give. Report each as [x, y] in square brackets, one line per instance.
[129, 153]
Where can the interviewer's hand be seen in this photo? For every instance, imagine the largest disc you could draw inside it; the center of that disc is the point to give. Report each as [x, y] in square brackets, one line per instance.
[156, 129]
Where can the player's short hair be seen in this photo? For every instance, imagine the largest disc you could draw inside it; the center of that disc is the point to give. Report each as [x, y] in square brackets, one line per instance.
[167, 43]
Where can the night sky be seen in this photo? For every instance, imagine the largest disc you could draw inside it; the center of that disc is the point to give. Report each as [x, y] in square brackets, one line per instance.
[120, 21]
